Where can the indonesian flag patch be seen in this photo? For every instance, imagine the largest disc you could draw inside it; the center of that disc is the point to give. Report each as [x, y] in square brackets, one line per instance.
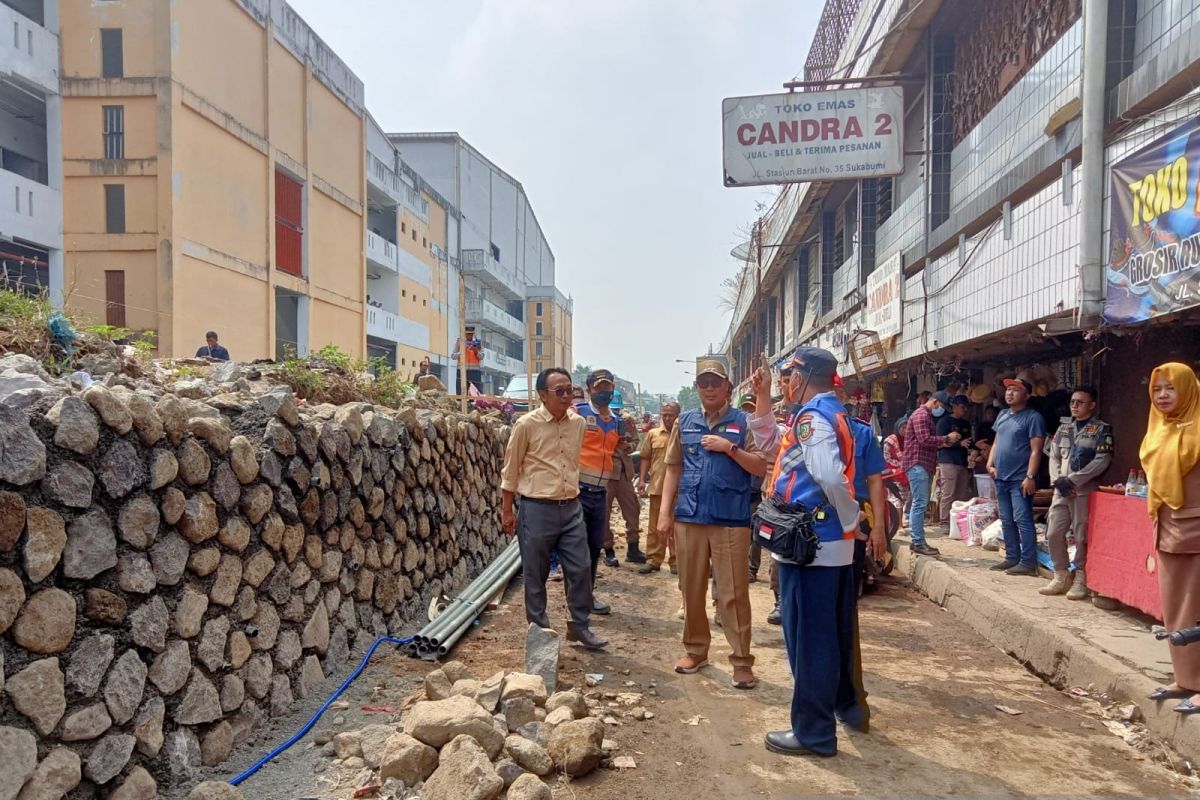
[734, 429]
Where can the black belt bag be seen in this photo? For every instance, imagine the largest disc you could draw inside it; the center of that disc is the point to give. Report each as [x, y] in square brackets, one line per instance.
[786, 529]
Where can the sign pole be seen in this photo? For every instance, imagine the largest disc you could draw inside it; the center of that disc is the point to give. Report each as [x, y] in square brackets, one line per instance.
[462, 338]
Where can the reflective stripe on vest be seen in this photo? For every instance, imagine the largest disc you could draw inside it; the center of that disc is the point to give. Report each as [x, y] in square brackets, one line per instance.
[599, 444]
[791, 480]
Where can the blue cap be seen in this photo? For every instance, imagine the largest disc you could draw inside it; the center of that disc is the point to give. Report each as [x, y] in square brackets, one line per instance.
[816, 361]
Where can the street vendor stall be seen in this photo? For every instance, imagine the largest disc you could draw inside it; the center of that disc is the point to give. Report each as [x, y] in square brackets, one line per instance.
[1122, 562]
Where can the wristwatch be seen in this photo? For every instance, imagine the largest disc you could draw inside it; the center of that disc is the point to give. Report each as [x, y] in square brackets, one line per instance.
[1031, 477]
[733, 448]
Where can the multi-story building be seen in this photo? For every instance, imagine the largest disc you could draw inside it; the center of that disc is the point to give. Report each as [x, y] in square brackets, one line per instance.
[548, 313]
[1015, 112]
[31, 255]
[412, 252]
[503, 250]
[215, 175]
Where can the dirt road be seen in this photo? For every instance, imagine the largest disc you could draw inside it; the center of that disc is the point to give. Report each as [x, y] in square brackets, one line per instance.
[934, 690]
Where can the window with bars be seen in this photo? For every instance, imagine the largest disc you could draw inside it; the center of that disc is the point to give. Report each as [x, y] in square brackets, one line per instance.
[114, 131]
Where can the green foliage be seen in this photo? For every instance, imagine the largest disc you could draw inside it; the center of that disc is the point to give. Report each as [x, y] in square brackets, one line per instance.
[110, 332]
[186, 372]
[330, 375]
[144, 345]
[688, 398]
[580, 373]
[17, 307]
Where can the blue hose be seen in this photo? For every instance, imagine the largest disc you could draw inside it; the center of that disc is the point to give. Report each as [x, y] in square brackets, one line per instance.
[298, 735]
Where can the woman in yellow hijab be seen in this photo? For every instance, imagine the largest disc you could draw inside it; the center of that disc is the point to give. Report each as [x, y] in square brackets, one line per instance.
[1170, 454]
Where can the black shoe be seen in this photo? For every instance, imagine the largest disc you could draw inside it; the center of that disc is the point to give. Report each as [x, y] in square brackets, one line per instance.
[785, 742]
[1003, 566]
[674, 569]
[610, 558]
[924, 550]
[1163, 693]
[646, 569]
[585, 638]
[635, 556]
[1021, 569]
[775, 616]
[753, 576]
[601, 608]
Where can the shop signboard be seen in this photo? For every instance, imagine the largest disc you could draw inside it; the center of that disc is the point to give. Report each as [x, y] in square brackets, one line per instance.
[1154, 251]
[842, 134]
[885, 287]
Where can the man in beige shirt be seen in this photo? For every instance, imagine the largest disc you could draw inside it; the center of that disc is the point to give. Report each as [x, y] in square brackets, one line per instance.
[653, 467]
[541, 466]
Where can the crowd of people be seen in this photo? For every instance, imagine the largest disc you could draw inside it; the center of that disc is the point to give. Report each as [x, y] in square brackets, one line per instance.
[706, 470]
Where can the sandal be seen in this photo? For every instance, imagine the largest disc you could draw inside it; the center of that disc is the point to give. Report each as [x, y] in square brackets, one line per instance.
[1163, 693]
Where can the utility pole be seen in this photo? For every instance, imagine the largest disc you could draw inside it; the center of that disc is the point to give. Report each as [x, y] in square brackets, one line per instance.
[462, 346]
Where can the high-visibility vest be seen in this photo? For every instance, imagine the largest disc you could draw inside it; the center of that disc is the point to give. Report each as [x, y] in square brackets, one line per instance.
[599, 444]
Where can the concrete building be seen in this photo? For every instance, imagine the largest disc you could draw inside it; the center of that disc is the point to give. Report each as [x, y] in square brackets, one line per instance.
[995, 232]
[412, 254]
[503, 250]
[31, 256]
[549, 313]
[215, 176]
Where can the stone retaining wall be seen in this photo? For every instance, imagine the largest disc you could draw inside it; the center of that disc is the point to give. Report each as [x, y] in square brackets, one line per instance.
[173, 571]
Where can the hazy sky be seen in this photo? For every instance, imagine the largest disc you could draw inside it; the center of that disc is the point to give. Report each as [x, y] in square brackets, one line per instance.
[609, 114]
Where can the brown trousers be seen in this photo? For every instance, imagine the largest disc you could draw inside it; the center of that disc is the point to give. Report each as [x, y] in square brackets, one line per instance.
[656, 546]
[726, 552]
[955, 485]
[1180, 590]
[620, 488]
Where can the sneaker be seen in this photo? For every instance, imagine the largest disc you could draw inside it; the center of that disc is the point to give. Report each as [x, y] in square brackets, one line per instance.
[743, 678]
[674, 569]
[924, 550]
[1002, 566]
[555, 573]
[635, 556]
[646, 569]
[775, 616]
[690, 664]
[610, 558]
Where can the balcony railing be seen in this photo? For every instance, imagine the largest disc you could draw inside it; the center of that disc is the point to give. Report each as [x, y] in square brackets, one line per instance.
[394, 328]
[380, 251]
[28, 50]
[492, 316]
[30, 210]
[493, 274]
[396, 188]
[499, 362]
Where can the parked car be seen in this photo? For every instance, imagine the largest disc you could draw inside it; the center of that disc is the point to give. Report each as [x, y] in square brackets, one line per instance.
[517, 392]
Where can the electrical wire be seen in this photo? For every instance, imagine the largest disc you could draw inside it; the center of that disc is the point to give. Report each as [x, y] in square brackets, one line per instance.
[298, 735]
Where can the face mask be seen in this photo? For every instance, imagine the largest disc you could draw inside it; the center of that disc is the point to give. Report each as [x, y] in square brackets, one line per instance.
[602, 398]
[937, 412]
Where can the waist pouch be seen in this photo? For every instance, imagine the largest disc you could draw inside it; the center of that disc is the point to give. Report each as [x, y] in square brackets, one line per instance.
[786, 529]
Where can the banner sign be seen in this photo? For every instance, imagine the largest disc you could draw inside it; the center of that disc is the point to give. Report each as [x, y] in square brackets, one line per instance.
[1154, 258]
[808, 136]
[885, 288]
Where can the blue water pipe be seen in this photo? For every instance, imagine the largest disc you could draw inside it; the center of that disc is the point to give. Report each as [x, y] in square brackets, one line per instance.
[298, 735]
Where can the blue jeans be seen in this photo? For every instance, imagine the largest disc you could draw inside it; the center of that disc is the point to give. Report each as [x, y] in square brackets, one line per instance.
[918, 485]
[1016, 520]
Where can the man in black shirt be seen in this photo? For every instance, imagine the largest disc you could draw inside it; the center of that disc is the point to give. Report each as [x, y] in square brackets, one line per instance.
[212, 350]
[952, 460]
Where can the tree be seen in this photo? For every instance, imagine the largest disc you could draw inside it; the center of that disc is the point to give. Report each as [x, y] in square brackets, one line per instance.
[689, 398]
[580, 373]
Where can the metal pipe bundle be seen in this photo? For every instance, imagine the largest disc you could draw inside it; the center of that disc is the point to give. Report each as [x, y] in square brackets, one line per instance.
[440, 635]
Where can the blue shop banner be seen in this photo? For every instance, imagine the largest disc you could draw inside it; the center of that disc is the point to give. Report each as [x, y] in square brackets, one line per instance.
[1154, 263]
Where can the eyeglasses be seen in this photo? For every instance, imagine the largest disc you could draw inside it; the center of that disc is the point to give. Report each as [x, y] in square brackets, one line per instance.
[709, 381]
[1080, 402]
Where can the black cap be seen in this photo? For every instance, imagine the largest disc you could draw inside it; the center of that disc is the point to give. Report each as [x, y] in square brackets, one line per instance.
[960, 400]
[816, 361]
[942, 397]
[597, 375]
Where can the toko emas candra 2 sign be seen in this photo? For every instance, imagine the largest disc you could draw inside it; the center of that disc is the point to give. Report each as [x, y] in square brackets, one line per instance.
[810, 136]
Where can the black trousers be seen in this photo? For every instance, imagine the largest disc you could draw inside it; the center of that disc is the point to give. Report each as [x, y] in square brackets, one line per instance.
[542, 527]
[595, 517]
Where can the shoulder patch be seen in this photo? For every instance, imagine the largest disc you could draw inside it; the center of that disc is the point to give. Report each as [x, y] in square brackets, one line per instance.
[591, 419]
[804, 427]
